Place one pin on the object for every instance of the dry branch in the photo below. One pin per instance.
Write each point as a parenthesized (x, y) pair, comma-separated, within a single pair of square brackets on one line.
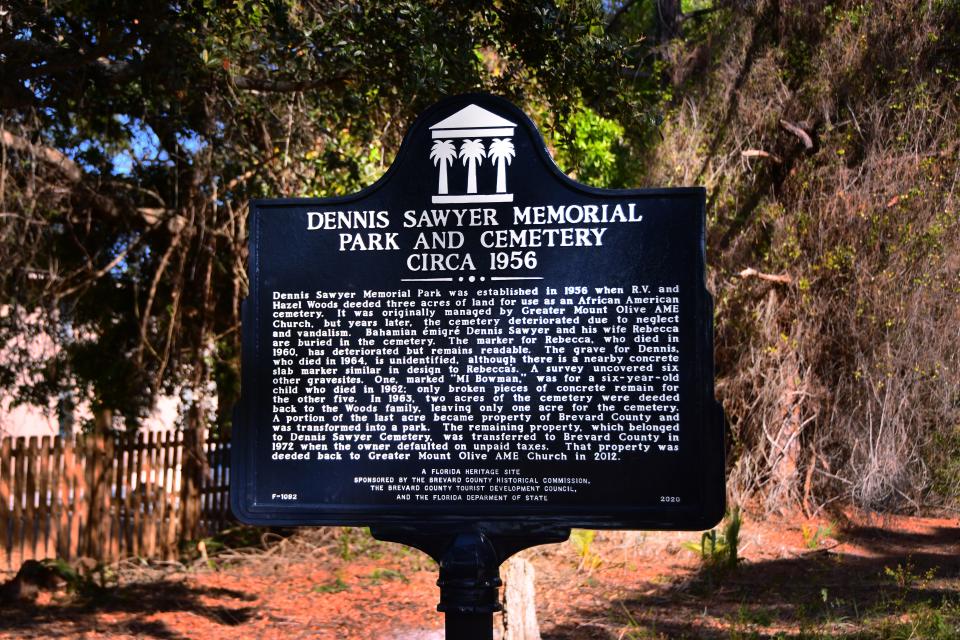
[(759, 153), (782, 278), (799, 132), (49, 155), (271, 85)]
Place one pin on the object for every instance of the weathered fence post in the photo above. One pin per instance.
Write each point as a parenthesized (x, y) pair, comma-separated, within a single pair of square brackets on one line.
[(191, 478), (16, 551), (6, 521)]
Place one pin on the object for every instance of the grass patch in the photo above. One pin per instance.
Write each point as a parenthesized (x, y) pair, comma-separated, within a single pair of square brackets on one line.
[(385, 575), (337, 585)]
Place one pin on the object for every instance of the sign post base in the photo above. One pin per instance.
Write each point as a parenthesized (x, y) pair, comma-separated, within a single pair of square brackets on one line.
[(469, 560), (469, 583)]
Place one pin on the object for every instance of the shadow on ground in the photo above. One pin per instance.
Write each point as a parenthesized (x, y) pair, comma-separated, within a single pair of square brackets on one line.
[(71, 617), (816, 594)]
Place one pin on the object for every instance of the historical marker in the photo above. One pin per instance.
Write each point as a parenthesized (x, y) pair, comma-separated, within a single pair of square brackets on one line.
[(477, 341)]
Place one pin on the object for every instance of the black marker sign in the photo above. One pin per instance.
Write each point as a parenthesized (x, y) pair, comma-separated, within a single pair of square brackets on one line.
[(477, 337)]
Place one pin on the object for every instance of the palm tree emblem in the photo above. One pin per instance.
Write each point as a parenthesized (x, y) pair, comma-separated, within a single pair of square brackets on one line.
[(443, 154), (472, 152), (501, 151), (474, 135)]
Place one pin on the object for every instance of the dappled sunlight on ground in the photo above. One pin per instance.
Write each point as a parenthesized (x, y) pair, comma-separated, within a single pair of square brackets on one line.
[(853, 575)]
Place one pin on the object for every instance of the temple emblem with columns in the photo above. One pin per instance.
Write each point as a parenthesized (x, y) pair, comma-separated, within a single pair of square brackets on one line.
[(480, 140)]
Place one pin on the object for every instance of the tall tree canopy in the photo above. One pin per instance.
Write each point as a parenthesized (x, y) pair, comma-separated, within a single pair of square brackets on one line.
[(133, 133)]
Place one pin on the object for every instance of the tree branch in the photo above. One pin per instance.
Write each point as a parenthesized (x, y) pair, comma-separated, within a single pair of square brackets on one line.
[(72, 172), (799, 132), (49, 155), (781, 278), (29, 59), (760, 153), (699, 13), (251, 83), (613, 22), (634, 73)]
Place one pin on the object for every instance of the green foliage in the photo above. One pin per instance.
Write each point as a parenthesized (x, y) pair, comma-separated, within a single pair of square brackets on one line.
[(352, 542), (924, 621), (636, 630), (904, 576), (755, 616), (130, 253), (719, 552), (813, 536), (590, 147), (582, 541), (226, 376), (337, 585), (84, 580), (381, 575), (238, 537)]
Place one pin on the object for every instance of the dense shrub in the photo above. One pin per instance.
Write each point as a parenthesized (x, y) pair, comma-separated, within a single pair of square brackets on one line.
[(841, 379)]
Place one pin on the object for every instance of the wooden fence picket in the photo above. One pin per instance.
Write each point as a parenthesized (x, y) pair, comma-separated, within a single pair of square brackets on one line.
[(136, 488), (59, 516), (173, 496), (150, 508), (29, 498), (19, 477), (116, 498), (84, 500), (126, 489), (217, 480), (6, 499), (160, 505), (111, 513), (75, 490), (43, 497)]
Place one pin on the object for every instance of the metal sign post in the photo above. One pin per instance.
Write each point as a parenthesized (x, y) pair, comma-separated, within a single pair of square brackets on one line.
[(469, 559)]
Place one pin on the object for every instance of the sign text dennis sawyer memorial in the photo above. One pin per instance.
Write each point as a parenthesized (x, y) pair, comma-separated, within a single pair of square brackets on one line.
[(478, 338)]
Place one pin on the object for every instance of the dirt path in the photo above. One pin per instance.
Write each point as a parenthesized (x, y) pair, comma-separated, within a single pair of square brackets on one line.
[(860, 576)]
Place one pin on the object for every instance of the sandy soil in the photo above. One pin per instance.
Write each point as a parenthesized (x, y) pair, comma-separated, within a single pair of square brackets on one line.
[(836, 577)]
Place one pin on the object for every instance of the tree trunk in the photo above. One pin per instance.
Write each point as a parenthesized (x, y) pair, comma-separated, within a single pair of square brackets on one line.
[(98, 464), (519, 601), (194, 466), (668, 20)]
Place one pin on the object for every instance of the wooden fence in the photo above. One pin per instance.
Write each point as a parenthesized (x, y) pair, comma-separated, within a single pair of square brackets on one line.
[(103, 497)]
